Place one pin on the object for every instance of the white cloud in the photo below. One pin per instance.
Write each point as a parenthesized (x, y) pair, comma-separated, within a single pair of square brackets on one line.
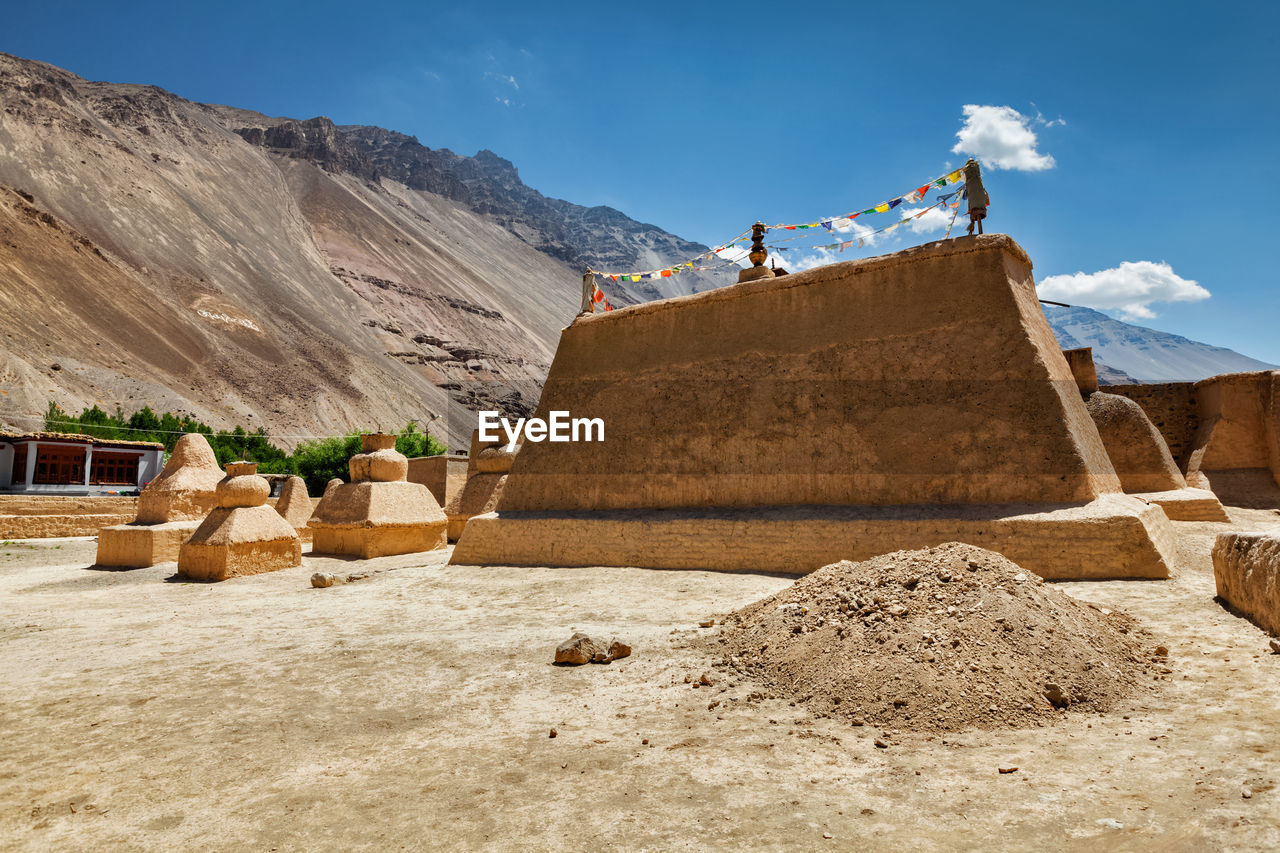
[(795, 262), (857, 231), (934, 219), (1002, 138), (502, 78), (1130, 288)]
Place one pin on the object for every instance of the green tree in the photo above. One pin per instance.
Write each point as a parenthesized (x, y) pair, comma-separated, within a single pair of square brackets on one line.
[(317, 462)]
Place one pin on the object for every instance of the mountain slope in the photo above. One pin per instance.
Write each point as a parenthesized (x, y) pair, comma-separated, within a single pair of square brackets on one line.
[(150, 254), (1146, 354), (597, 237)]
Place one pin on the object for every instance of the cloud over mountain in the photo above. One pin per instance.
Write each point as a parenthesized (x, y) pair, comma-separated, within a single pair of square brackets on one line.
[(1130, 288)]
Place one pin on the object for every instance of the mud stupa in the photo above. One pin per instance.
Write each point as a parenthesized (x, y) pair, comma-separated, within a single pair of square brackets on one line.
[(838, 413), (487, 468), (1143, 462), (379, 512), (295, 507), (170, 509), (242, 536)]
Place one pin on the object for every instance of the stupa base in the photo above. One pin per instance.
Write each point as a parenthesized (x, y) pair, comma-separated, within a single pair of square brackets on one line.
[(1188, 504), (136, 546), (382, 541), (1114, 536)]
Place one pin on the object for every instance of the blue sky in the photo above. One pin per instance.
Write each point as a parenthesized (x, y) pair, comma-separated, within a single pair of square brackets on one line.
[(1160, 119)]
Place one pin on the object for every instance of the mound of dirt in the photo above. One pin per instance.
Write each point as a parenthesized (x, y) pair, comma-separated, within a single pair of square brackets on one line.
[(937, 640)]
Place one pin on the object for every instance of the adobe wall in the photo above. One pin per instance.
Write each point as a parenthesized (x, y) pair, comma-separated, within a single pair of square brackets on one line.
[(443, 475), (1239, 416), (1080, 360), (47, 516), (57, 505), (1172, 408), (1246, 570), (925, 377)]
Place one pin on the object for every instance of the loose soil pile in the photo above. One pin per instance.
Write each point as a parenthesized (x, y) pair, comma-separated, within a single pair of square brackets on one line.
[(937, 640)]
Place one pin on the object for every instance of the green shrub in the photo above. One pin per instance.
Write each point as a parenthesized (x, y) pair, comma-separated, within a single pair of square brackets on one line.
[(317, 461)]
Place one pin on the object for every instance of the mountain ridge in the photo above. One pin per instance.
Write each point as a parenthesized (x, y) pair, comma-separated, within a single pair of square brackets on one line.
[(1147, 355)]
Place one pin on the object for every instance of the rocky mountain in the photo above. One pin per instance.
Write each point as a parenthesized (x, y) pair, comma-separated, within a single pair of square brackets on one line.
[(1145, 355), (290, 274), (601, 238)]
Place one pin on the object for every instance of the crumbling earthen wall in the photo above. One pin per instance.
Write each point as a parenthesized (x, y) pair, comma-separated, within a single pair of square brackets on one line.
[(925, 377), (46, 516), (1082, 368), (1239, 423), (444, 475), (1171, 406), (1246, 568)]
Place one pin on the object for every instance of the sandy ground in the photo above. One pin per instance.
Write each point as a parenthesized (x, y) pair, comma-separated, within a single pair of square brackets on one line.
[(411, 710)]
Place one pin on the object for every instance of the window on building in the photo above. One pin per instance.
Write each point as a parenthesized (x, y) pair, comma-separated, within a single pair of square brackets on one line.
[(114, 469), (59, 466), (19, 464)]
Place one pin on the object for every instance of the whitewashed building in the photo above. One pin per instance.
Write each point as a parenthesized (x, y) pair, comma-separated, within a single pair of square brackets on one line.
[(51, 463)]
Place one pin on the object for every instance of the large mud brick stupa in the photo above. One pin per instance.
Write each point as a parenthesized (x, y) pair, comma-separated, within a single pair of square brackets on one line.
[(242, 536), (170, 509), (379, 513), (786, 423)]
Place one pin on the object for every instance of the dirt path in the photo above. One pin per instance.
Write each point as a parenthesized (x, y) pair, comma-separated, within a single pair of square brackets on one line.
[(411, 710)]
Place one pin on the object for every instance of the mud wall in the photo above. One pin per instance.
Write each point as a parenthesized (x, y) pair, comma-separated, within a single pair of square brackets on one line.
[(925, 377), (1171, 406)]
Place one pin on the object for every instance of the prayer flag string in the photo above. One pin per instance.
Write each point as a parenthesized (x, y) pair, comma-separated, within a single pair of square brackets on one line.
[(733, 250)]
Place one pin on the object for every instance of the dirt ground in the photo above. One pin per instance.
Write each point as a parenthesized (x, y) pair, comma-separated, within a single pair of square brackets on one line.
[(412, 710)]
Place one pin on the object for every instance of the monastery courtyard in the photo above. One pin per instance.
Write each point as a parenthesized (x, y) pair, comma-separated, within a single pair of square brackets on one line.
[(412, 708)]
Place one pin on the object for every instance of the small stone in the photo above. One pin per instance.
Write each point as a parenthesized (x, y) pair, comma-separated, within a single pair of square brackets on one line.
[(1246, 793), (619, 649), (645, 742), (577, 650), (1056, 697), (1275, 647), (553, 733), (858, 721), (707, 679), (881, 744), (826, 835), (1007, 769), (707, 624), (322, 580), (1162, 651)]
